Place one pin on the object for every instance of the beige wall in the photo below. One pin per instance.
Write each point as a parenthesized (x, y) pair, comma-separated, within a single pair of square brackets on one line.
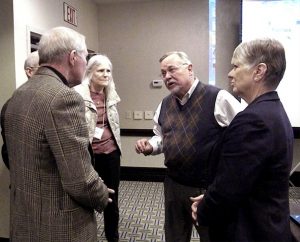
[(41, 15), (136, 35), (7, 70), (227, 38)]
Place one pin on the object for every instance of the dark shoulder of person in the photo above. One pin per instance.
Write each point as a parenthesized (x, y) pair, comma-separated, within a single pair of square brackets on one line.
[(4, 152)]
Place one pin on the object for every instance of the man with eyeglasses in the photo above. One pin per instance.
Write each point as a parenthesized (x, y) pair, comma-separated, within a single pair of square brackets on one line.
[(54, 187), (187, 125)]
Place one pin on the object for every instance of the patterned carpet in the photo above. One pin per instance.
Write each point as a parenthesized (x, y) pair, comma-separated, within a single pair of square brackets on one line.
[(141, 213)]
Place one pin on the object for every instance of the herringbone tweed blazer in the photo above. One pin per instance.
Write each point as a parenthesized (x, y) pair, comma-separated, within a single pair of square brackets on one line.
[(54, 187)]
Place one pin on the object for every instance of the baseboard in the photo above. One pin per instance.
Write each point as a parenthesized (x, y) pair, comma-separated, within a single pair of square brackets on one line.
[(143, 174), (295, 178), (137, 132), (4, 240), (158, 175), (296, 132)]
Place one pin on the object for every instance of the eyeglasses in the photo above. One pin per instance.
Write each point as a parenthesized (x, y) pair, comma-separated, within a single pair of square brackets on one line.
[(171, 70)]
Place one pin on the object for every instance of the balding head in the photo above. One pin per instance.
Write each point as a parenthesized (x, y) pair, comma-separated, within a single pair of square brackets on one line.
[(31, 64)]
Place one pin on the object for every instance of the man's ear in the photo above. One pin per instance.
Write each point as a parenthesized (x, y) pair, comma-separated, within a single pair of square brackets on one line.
[(190, 68), (72, 57), (28, 72)]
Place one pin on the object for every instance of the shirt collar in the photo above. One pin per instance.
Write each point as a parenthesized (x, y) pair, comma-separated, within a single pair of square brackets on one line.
[(61, 76), (187, 96)]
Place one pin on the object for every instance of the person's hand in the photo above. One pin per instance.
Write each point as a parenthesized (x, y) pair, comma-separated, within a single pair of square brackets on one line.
[(143, 146), (110, 191), (196, 201)]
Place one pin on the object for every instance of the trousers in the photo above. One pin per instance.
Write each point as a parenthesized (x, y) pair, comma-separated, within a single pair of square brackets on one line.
[(178, 216), (108, 168)]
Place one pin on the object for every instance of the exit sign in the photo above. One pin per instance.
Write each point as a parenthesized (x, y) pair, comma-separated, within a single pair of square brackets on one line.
[(70, 14)]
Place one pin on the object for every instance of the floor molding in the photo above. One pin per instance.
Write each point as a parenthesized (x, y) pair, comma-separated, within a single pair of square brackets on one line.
[(4, 239), (137, 132), (296, 132), (143, 174), (295, 178), (158, 174)]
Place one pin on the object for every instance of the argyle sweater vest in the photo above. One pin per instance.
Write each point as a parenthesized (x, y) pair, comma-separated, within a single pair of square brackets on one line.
[(189, 133)]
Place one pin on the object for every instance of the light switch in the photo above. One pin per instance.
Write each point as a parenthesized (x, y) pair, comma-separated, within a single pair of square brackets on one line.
[(157, 83), (128, 115), (137, 114)]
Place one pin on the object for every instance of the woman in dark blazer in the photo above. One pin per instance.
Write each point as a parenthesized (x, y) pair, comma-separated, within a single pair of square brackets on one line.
[(248, 198)]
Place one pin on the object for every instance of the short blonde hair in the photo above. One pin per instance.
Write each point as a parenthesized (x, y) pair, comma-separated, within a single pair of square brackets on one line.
[(268, 51)]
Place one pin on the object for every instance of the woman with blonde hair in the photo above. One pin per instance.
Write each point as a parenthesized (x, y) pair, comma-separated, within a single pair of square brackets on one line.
[(101, 99)]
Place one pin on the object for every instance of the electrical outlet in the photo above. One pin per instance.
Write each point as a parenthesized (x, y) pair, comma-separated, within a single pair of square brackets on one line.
[(149, 115), (138, 115)]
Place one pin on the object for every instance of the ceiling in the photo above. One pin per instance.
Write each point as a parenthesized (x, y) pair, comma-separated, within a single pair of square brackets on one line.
[(121, 1), (118, 1)]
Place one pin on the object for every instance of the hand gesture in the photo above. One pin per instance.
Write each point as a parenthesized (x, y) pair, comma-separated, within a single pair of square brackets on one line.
[(143, 146)]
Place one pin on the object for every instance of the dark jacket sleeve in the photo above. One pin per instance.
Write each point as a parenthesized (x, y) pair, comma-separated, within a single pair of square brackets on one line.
[(4, 148), (241, 164)]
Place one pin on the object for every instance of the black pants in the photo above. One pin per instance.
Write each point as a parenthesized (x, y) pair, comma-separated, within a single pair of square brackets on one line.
[(108, 168)]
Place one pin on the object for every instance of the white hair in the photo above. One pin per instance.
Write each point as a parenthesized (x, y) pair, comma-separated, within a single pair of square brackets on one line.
[(59, 41)]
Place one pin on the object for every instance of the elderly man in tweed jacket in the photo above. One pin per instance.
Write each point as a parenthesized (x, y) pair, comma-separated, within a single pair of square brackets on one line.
[(54, 187)]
